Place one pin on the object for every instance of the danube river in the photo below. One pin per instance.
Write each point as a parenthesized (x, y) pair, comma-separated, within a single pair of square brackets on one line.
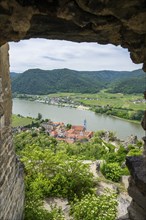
[(75, 116)]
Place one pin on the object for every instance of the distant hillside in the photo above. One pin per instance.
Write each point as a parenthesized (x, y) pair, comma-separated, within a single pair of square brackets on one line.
[(37, 81), (13, 75), (133, 84)]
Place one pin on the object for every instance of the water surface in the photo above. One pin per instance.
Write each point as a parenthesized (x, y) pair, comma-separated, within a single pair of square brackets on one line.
[(74, 116)]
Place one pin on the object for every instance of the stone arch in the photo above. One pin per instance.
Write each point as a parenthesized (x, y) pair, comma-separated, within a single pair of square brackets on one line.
[(103, 21)]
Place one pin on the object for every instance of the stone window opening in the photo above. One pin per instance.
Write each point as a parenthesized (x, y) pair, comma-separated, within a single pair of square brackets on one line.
[(120, 23)]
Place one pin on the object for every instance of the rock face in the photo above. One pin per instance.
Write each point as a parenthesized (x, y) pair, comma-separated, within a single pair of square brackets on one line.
[(11, 172), (103, 21), (137, 187)]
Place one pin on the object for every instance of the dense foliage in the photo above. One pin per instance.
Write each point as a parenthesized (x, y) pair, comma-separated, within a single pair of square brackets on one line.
[(112, 171), (92, 207), (55, 174), (56, 169), (37, 81), (129, 86), (129, 114), (93, 150)]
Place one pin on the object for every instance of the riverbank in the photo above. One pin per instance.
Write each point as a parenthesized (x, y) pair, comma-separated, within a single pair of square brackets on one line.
[(125, 107), (67, 115), (127, 120)]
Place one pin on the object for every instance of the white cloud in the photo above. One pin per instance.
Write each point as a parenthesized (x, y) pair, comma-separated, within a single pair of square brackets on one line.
[(54, 54)]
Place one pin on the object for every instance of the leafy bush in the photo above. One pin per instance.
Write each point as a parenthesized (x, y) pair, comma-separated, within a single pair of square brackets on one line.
[(35, 210), (53, 168), (73, 179), (112, 171), (92, 207), (118, 157), (28, 138), (55, 174), (125, 171), (135, 152)]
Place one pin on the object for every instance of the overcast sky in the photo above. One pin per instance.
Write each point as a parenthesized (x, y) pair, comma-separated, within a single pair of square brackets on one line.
[(55, 54)]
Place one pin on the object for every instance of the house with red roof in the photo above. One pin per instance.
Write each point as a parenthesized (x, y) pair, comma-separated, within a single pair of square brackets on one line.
[(53, 134), (78, 133)]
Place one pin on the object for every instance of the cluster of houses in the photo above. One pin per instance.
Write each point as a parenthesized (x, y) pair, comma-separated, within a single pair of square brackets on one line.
[(59, 101), (59, 131), (138, 101)]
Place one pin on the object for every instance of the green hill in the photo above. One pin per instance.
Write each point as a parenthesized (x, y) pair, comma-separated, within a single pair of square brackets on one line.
[(37, 81), (13, 75), (136, 83)]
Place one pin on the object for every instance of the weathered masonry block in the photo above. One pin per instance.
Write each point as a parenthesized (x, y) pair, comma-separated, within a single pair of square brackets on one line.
[(103, 21), (137, 187), (11, 171)]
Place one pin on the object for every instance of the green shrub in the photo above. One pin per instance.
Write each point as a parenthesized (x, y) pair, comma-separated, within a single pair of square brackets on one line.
[(112, 171), (72, 179), (135, 152), (92, 207), (125, 172), (51, 174), (35, 211)]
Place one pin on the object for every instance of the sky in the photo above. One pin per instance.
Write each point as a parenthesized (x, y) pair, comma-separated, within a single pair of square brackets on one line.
[(56, 54)]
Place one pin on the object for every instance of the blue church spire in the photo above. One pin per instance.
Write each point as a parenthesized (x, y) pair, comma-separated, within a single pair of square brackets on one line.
[(85, 124)]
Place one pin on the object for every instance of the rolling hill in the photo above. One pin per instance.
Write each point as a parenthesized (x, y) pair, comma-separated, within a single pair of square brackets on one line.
[(37, 81), (13, 75)]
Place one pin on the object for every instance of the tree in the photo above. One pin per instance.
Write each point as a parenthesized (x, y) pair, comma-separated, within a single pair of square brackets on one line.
[(39, 116), (68, 126)]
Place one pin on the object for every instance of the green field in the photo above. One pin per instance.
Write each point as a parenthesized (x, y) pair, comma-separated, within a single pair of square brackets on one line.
[(102, 99), (21, 121)]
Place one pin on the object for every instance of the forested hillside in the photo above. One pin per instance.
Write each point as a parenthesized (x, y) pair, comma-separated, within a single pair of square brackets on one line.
[(13, 75), (37, 81), (129, 86)]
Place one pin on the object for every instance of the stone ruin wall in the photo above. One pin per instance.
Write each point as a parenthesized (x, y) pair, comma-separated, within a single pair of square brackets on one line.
[(11, 171), (103, 21), (137, 187)]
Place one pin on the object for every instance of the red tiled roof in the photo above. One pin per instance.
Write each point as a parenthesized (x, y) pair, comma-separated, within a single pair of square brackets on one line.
[(78, 127), (79, 137), (70, 136), (89, 133), (70, 131), (58, 123), (54, 133)]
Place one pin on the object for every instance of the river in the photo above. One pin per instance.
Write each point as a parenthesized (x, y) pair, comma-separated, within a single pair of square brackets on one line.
[(95, 122)]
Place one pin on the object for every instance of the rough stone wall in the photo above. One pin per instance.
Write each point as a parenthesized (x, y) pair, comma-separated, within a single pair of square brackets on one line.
[(119, 22), (11, 171), (103, 21), (137, 187)]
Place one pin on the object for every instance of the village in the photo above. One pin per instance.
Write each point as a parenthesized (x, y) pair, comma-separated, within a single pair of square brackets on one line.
[(65, 101), (68, 133)]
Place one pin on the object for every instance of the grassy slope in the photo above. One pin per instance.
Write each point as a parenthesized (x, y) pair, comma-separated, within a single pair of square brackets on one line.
[(20, 121)]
